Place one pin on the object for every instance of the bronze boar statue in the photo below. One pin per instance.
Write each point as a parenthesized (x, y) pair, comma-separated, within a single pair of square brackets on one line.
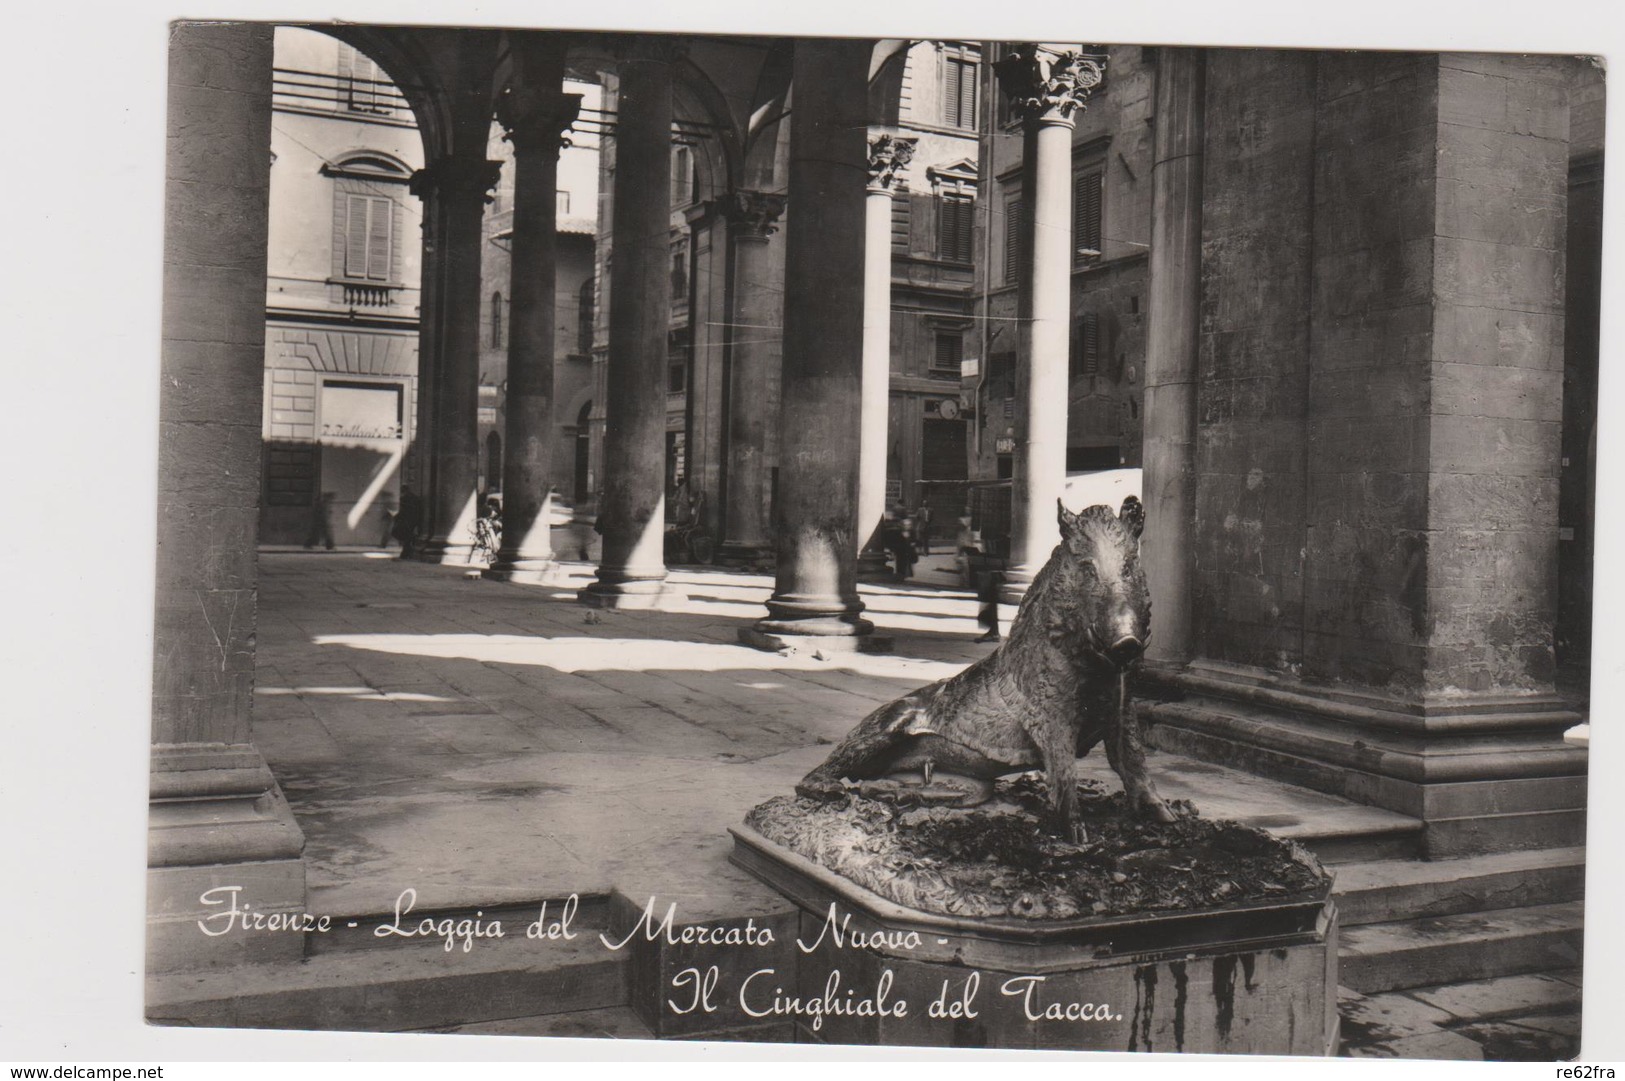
[(1054, 688)]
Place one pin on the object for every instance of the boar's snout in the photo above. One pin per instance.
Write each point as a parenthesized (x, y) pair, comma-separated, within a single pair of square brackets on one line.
[(1125, 651)]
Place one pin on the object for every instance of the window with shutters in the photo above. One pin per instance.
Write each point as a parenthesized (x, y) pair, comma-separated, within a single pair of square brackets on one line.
[(1086, 237), (959, 90), (496, 320), (369, 236), (949, 351), (363, 86), (955, 215), (1086, 346), (682, 176), (1014, 238)]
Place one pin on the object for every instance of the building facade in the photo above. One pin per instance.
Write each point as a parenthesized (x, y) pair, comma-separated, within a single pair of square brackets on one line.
[(342, 296)]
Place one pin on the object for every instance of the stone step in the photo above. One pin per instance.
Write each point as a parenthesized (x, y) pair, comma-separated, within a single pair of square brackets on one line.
[(392, 990), (1532, 1016), (1388, 890), (608, 1023), (1434, 950), (1398, 840)]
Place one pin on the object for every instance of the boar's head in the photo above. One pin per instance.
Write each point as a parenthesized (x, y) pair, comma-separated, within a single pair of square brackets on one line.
[(1109, 604)]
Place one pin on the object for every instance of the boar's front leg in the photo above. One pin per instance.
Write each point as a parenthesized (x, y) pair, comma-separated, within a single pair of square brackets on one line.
[(1125, 750)]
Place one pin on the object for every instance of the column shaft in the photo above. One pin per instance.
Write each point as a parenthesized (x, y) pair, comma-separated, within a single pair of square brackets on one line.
[(460, 184), (535, 113), (632, 571), (1045, 85), (1040, 464), (888, 158), (214, 814), (1171, 349), (754, 356), (815, 514)]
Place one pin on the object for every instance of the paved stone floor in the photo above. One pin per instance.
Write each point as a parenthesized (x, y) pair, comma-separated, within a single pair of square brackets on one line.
[(490, 743)]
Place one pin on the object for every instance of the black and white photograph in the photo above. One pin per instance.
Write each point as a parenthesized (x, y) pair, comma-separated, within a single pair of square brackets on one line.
[(853, 540)]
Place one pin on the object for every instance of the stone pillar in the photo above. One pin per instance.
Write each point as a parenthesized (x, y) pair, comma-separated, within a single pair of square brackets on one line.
[(1174, 296), (216, 816), (815, 516), (536, 114), (1045, 87), (888, 159), (632, 514), (455, 190), (753, 358), (1377, 473)]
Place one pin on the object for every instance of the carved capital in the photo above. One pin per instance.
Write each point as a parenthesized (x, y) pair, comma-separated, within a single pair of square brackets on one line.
[(455, 178), (752, 213), (1045, 86), (889, 155), (536, 119)]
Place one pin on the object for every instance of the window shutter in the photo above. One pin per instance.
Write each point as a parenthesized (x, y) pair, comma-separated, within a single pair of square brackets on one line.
[(1086, 215), (954, 229), (900, 224), (355, 236), (959, 93), (1086, 346), (950, 351), (378, 238), (1012, 240), (967, 95)]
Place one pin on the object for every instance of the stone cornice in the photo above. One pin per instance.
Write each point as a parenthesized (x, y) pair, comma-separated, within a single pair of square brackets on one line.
[(1045, 86)]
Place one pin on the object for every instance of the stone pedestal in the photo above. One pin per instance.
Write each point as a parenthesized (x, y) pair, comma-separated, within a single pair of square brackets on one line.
[(1257, 978)]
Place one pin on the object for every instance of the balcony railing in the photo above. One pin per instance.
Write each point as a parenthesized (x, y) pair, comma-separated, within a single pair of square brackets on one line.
[(368, 294)]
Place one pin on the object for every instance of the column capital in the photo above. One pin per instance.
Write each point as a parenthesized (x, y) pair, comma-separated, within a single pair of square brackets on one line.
[(751, 213), (457, 178), (535, 118), (1045, 85), (889, 155)]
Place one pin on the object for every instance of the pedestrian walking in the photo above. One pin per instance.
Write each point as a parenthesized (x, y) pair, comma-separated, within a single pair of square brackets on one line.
[(988, 586), (922, 529), (387, 513), (321, 522)]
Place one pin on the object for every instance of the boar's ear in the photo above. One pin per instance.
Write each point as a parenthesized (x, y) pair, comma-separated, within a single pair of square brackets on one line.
[(1067, 519), (1133, 516)]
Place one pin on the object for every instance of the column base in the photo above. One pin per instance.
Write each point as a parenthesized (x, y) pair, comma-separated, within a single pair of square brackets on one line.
[(1485, 774), (446, 552), (637, 596), (538, 572), (774, 641), (217, 821)]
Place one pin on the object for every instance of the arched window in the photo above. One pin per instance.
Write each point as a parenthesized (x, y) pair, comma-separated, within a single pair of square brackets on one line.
[(368, 190), (496, 320)]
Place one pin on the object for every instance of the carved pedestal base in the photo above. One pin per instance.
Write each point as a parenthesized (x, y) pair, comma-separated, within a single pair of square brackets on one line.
[(1256, 976)]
